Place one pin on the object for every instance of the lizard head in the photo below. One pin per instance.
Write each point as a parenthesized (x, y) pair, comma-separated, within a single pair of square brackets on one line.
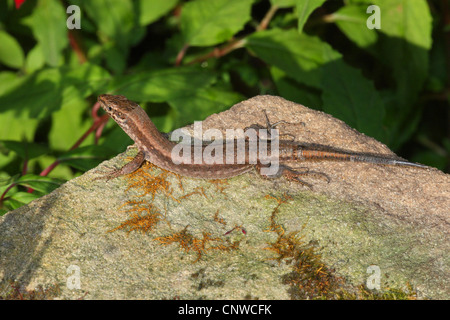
[(117, 107)]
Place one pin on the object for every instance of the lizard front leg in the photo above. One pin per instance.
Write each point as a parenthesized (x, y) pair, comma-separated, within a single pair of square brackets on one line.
[(130, 167)]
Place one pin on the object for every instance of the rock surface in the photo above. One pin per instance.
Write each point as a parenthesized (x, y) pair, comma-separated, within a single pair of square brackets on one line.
[(243, 238)]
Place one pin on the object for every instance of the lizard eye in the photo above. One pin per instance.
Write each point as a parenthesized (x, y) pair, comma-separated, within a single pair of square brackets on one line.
[(109, 108)]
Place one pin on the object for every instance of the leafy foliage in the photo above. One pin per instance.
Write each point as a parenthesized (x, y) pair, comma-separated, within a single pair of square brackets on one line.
[(183, 60)]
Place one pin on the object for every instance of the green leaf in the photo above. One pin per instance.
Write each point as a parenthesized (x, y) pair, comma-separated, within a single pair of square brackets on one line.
[(407, 19), (202, 103), (17, 127), (6, 158), (11, 53), (8, 81), (304, 9), (6, 180), (61, 171), (405, 41), (349, 96), (246, 72), (206, 22), (437, 77), (35, 59), (352, 20), (26, 150), (118, 29), (162, 85), (116, 22), (150, 11), (39, 183), (300, 56), (14, 126), (116, 59), (85, 158), (39, 94), (431, 158), (19, 199), (49, 27), (116, 141), (294, 91), (35, 95), (82, 81), (68, 125), (408, 25), (283, 3)]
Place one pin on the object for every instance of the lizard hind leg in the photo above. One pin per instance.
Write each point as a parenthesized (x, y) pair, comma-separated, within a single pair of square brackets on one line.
[(130, 167), (292, 174)]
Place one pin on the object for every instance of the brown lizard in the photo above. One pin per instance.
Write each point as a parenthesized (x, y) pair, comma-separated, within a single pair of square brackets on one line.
[(156, 148)]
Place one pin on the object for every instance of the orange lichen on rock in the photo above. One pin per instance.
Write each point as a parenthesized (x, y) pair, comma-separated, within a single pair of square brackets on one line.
[(218, 219), (310, 277), (220, 185), (199, 245), (197, 190), (148, 183), (144, 217), (274, 226)]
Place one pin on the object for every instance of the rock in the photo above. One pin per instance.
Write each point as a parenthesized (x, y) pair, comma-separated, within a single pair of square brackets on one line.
[(243, 238)]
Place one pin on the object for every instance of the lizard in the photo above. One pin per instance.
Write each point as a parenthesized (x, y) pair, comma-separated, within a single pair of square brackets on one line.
[(156, 148)]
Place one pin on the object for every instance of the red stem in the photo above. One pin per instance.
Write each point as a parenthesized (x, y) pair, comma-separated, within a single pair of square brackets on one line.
[(181, 54), (232, 45), (76, 47), (217, 53), (5, 192), (99, 123)]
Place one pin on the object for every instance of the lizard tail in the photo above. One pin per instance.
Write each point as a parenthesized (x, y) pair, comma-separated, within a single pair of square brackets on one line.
[(304, 154)]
